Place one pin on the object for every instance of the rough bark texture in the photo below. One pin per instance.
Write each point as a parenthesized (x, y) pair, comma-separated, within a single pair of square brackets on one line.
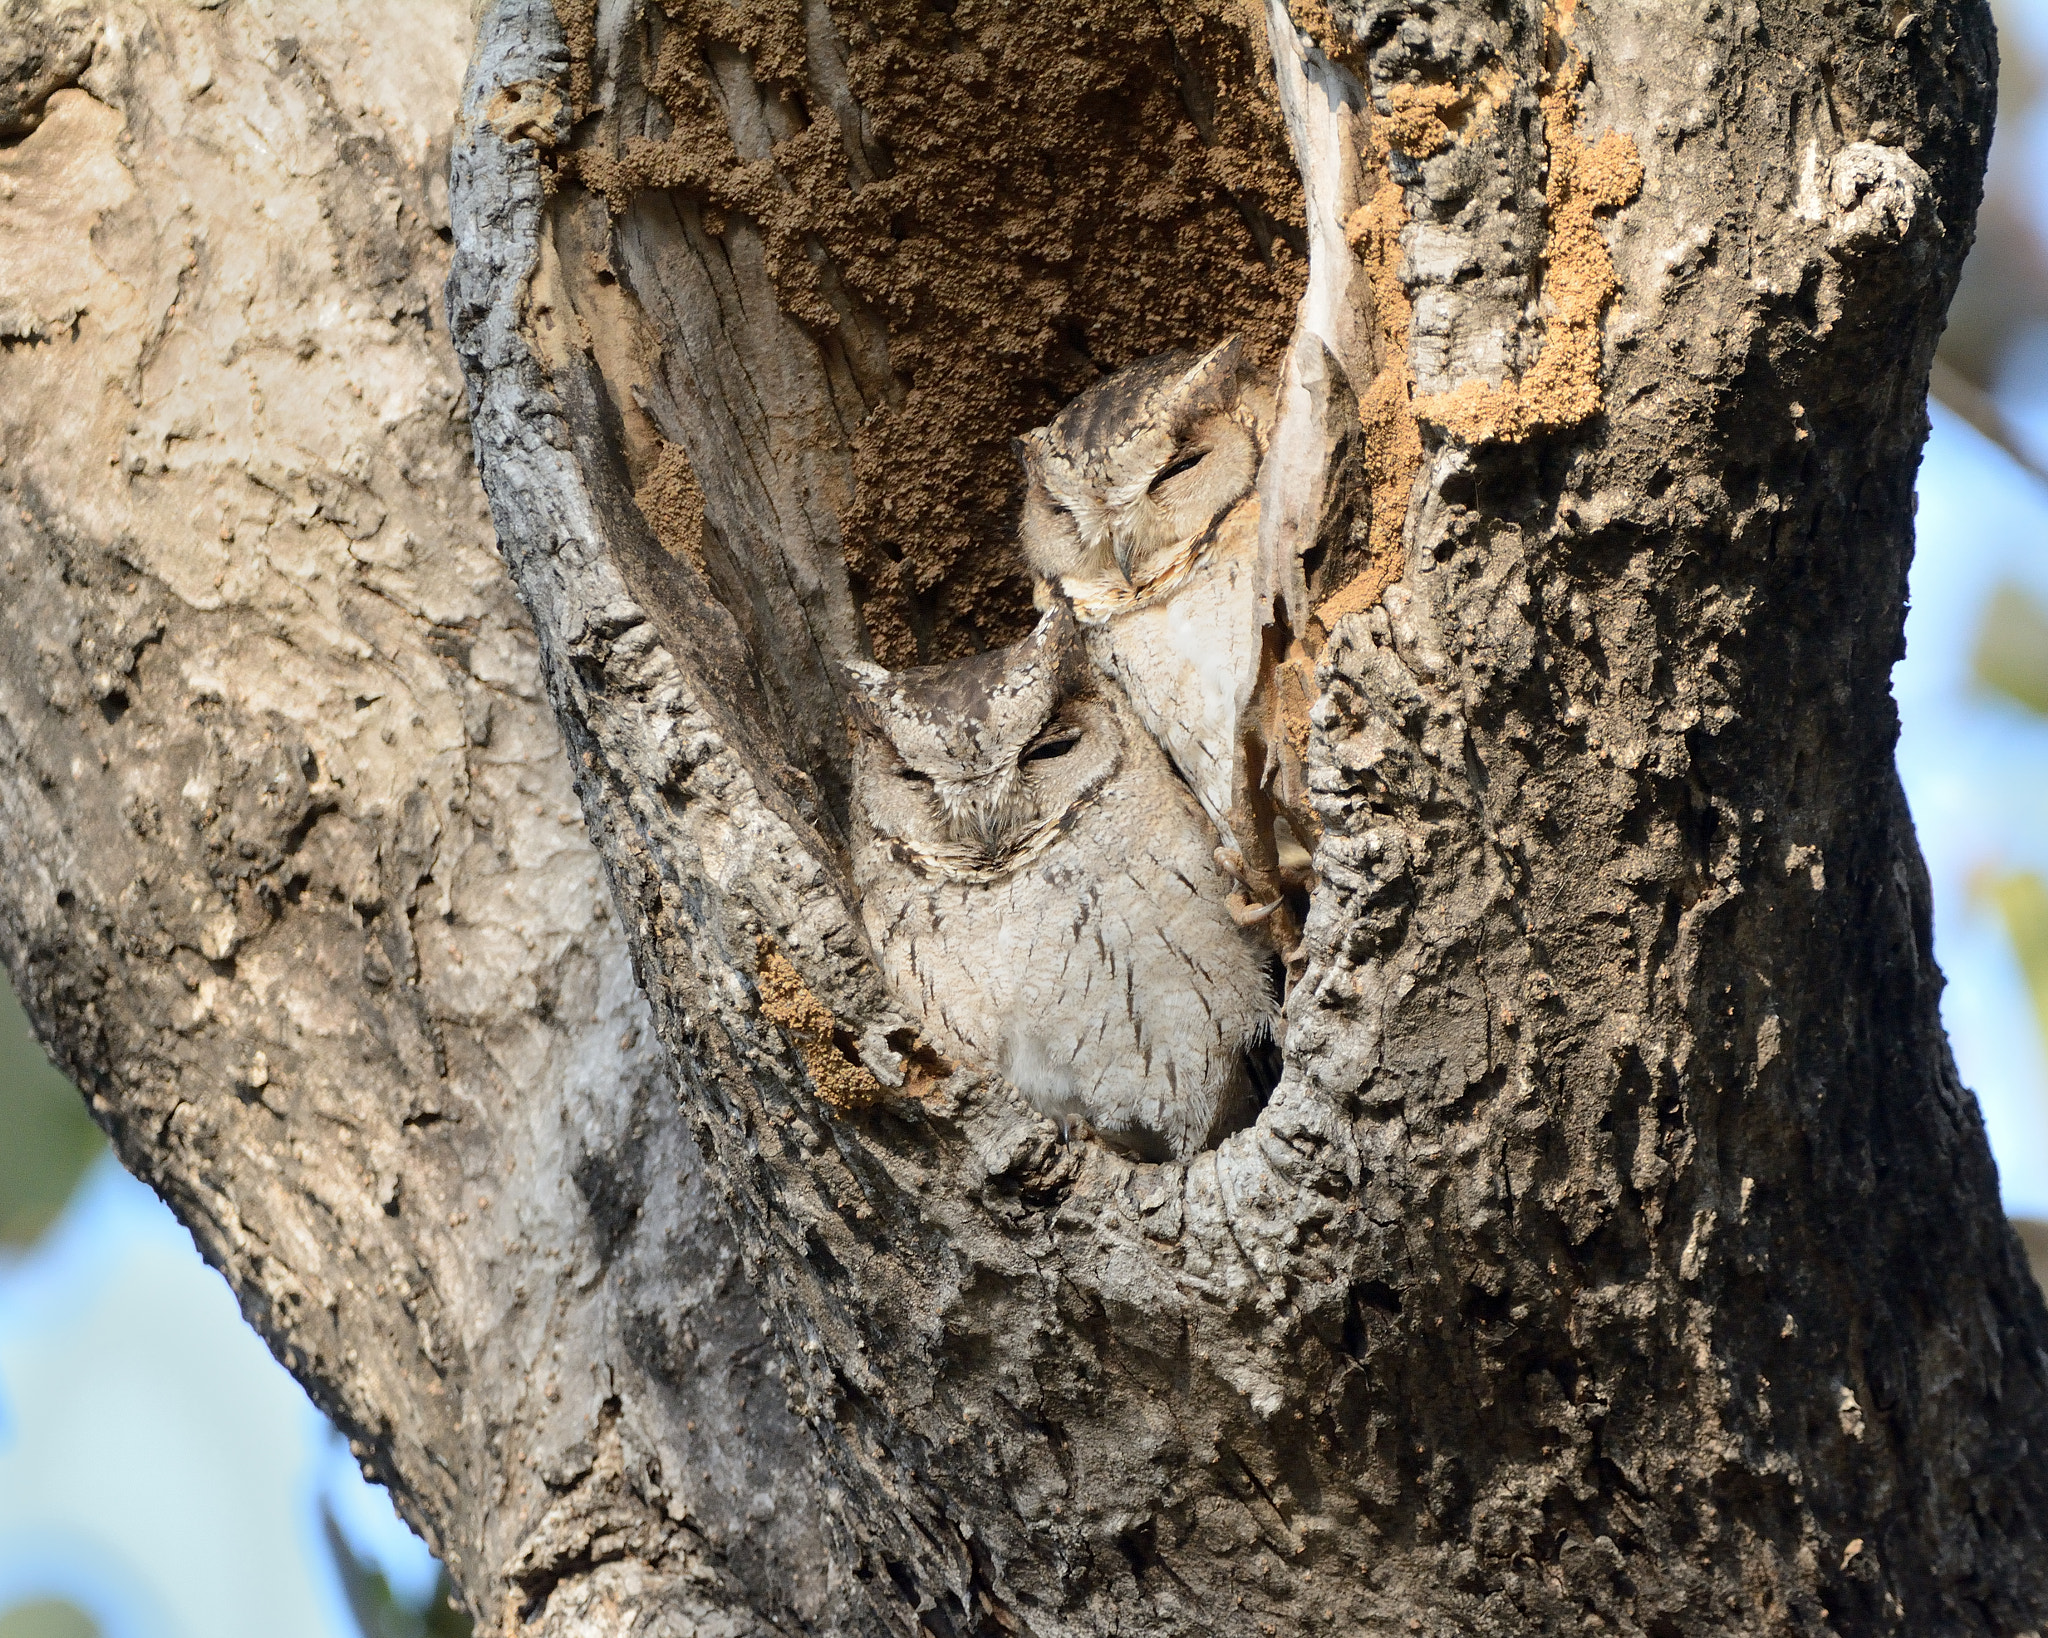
[(1619, 1250), (295, 880)]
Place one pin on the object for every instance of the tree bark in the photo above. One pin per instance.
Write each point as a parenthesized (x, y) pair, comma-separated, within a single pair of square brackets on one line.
[(297, 886), (1619, 1249)]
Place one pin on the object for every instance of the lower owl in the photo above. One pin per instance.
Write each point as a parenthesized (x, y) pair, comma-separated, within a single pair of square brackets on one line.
[(1042, 889)]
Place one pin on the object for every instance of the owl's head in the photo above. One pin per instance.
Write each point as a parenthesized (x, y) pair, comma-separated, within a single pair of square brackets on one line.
[(1140, 465), (965, 765)]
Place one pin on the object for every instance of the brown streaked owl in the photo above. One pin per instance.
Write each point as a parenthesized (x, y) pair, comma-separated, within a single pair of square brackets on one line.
[(1139, 507), (1042, 890)]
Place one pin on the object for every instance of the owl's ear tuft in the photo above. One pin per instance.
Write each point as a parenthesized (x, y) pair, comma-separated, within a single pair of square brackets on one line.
[(1034, 676), (1208, 384), (1055, 640), (1055, 628)]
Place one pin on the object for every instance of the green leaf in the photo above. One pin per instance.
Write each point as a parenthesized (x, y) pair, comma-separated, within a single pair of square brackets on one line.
[(2021, 900), (46, 1138), (47, 1618), (2012, 648)]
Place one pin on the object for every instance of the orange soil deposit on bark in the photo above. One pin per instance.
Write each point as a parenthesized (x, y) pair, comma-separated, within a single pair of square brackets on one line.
[(788, 1003), (1562, 388)]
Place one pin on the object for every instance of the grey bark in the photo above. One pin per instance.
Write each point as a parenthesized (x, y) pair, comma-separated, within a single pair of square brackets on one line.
[(1619, 1250), (296, 884)]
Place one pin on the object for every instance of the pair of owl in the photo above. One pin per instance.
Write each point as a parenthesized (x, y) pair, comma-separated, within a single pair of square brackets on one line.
[(1041, 832)]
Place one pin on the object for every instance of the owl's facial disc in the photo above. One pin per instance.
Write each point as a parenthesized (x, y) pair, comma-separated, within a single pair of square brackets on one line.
[(1193, 483), (1023, 785), (970, 763), (1131, 476)]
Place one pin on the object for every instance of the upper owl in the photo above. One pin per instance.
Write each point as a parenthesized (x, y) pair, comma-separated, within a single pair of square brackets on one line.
[(1125, 483)]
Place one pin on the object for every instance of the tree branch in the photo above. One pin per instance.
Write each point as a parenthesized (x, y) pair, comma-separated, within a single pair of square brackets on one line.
[(299, 890), (1615, 1070)]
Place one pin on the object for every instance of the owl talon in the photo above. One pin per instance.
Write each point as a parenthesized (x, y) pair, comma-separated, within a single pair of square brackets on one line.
[(1246, 914)]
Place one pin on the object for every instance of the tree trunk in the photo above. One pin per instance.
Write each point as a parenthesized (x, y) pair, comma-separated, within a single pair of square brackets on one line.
[(1618, 1248), (297, 886)]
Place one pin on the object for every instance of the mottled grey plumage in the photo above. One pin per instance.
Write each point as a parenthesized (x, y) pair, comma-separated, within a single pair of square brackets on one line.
[(1139, 509), (1042, 890)]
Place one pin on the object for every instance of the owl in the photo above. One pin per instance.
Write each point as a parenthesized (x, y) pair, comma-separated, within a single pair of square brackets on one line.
[(1138, 507), (1041, 889)]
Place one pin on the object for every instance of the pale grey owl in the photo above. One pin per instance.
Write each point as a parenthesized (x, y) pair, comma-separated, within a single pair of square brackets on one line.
[(1042, 891), (1138, 506)]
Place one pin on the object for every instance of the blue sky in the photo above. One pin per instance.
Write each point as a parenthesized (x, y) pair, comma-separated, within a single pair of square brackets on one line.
[(157, 1467), (1976, 773), (1976, 768)]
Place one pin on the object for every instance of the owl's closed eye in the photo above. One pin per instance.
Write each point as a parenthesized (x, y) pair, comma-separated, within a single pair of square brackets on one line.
[(1137, 468)]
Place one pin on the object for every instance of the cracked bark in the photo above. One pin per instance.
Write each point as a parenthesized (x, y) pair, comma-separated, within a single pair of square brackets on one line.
[(296, 883), (1619, 1249)]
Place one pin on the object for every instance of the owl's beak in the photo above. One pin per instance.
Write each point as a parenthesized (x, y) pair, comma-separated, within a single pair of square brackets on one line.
[(1124, 550), (1163, 561), (980, 812)]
